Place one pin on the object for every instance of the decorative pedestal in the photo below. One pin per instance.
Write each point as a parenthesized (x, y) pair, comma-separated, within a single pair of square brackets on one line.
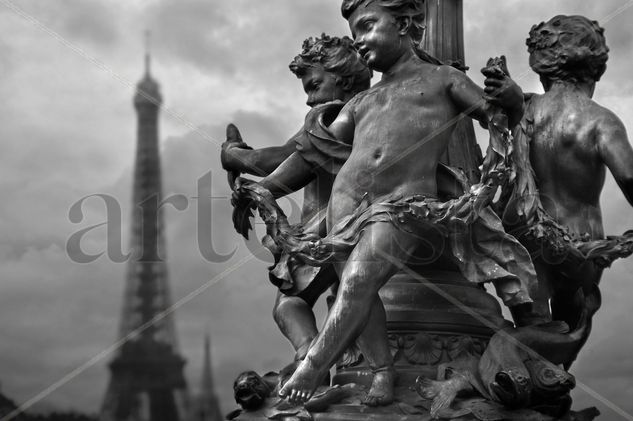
[(431, 318)]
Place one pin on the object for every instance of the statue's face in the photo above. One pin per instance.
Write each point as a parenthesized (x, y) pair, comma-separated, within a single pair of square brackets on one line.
[(321, 86), (376, 36)]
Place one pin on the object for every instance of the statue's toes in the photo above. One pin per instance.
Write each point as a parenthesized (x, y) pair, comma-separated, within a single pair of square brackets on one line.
[(381, 400), (304, 397), (371, 400), (283, 392)]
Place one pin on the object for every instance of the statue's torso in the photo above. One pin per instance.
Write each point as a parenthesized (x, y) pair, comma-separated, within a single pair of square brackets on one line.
[(563, 151), (401, 129)]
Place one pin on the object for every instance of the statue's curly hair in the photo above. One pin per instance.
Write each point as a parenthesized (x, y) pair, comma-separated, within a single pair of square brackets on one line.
[(568, 48), (413, 9), (410, 8), (337, 56)]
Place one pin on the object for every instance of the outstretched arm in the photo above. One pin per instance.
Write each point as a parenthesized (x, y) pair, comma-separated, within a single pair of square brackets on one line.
[(616, 152), (500, 91), (259, 162), (296, 172), (292, 175)]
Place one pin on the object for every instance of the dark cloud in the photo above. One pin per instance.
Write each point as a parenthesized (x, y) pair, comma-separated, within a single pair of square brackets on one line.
[(93, 21), (195, 31), (241, 38)]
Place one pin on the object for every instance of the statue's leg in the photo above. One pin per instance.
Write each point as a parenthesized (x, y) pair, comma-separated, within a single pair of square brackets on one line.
[(296, 321), (375, 348), (373, 261), (294, 315), (539, 310), (569, 305), (375, 351)]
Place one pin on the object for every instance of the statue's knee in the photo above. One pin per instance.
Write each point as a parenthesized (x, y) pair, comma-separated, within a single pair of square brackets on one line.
[(278, 312), (360, 283), (286, 306)]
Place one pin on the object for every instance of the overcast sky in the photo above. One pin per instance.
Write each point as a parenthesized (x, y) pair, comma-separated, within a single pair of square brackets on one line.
[(67, 75)]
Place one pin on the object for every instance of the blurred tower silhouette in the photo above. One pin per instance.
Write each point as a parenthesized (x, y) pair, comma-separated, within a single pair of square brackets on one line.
[(147, 381), (206, 405)]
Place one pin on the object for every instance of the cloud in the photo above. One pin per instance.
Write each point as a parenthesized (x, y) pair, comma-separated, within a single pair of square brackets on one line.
[(242, 44), (6, 59), (93, 22), (195, 31)]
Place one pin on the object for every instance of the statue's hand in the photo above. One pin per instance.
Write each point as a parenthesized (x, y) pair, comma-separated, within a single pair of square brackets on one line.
[(501, 90), (230, 160), (228, 157)]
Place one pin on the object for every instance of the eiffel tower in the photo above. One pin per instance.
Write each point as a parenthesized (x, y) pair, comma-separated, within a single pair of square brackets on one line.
[(147, 381)]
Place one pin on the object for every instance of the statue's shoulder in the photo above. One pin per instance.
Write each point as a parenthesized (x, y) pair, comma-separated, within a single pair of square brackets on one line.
[(607, 124), (317, 144), (361, 96)]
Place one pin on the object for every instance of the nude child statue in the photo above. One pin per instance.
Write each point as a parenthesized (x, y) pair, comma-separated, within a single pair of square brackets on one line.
[(398, 130), (330, 69), (572, 142)]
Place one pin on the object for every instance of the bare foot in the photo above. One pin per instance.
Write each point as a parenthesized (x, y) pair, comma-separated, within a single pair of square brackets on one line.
[(302, 384), (381, 390), (286, 373)]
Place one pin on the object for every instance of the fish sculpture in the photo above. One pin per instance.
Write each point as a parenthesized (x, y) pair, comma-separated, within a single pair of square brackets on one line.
[(520, 368)]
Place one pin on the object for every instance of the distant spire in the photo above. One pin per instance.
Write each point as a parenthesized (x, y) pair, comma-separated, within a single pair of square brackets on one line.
[(147, 89), (148, 35), (207, 407), (207, 377)]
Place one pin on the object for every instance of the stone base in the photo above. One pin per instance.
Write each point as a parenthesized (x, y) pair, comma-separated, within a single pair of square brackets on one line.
[(434, 318), (409, 406)]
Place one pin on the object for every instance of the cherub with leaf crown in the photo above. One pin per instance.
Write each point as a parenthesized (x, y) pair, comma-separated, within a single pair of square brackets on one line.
[(331, 73)]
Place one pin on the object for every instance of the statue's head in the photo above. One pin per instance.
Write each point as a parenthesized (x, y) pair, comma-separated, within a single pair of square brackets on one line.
[(330, 68), (412, 9), (568, 48), (383, 28)]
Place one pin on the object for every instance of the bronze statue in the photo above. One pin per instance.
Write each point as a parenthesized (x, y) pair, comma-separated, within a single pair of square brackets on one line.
[(564, 145), (571, 141), (399, 129), (391, 194), (331, 71)]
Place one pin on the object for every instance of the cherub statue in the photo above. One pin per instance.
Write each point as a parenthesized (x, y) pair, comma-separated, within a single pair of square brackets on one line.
[(384, 199), (571, 141), (331, 72)]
